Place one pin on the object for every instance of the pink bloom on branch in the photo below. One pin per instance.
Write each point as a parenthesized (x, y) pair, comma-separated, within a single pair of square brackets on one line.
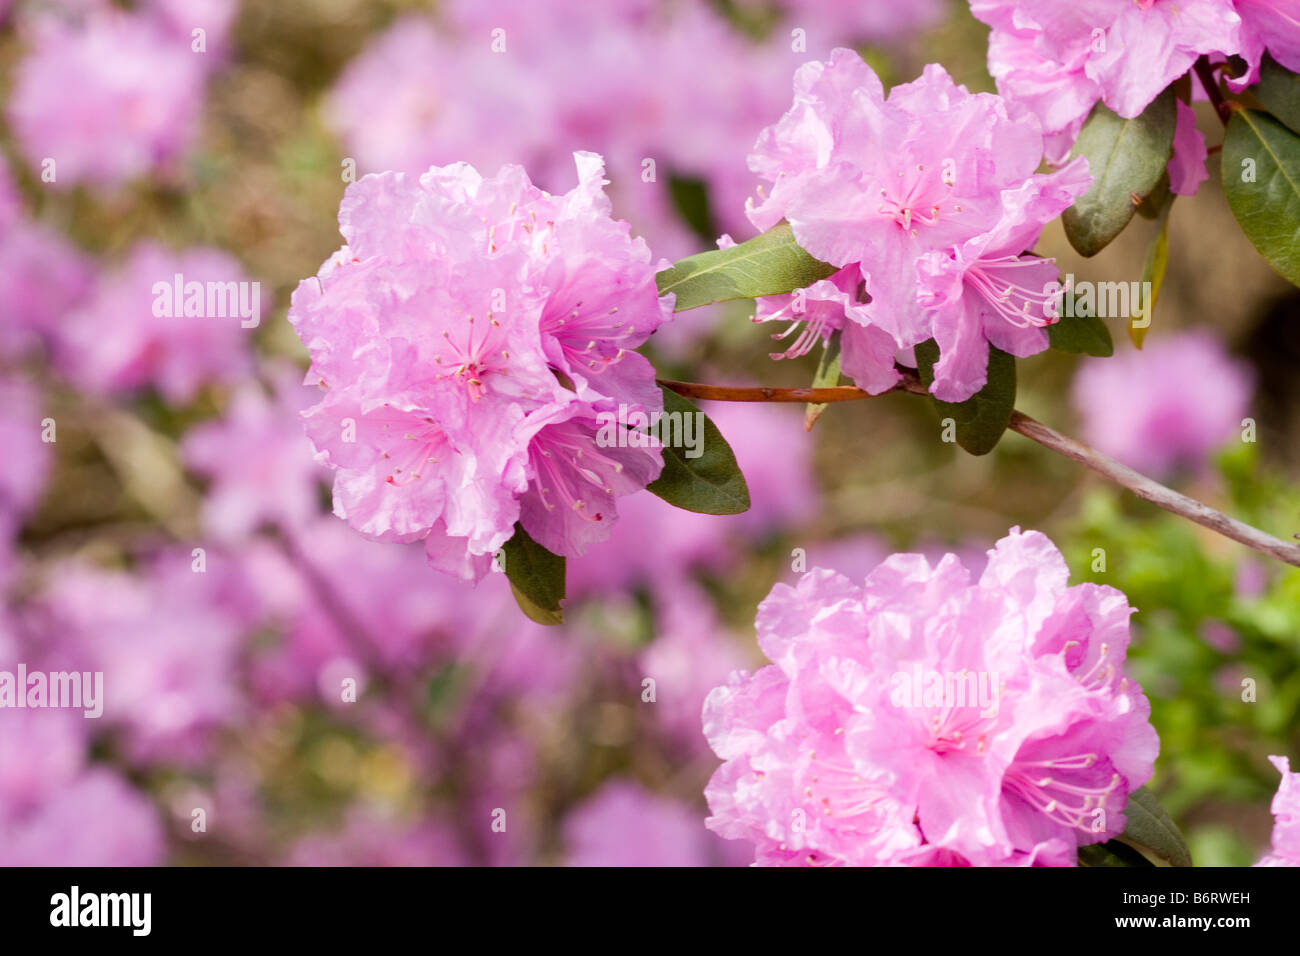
[(926, 200), (468, 338), (1164, 407), (1286, 818), (1058, 59), (857, 745)]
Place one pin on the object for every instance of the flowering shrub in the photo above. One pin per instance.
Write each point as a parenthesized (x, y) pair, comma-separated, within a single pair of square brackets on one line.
[(354, 563)]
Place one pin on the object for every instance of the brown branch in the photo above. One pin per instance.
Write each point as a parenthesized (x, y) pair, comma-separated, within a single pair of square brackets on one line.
[(762, 393), (1156, 493), (1145, 488), (1205, 73)]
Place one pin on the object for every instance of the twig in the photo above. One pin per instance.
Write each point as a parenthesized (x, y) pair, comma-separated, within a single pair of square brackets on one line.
[(762, 393), (1205, 73), (1145, 488), (1154, 492)]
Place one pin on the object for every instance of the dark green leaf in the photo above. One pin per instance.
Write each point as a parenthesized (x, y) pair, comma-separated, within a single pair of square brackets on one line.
[(982, 418), (1153, 205), (1150, 829), (709, 484), (828, 376), (1079, 334), (1111, 853), (536, 577), (769, 264), (691, 198), (1279, 90), (1261, 176), (1126, 158)]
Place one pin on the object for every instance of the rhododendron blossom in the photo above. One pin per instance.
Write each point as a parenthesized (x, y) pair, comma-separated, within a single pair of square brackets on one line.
[(927, 201), (1056, 60), (468, 339), (1286, 818), (927, 718), (1272, 25)]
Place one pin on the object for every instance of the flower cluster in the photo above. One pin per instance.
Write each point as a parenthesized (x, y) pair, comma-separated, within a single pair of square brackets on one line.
[(922, 719), (468, 337), (1058, 60), (926, 201)]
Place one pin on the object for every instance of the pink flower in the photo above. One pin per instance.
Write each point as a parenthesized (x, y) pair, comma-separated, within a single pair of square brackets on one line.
[(985, 292), (356, 608), (1056, 60), (872, 20), (1187, 165), (108, 99), (925, 719), (626, 825), (1286, 818), (27, 457), (1165, 407), (444, 335), (58, 810), (96, 819), (370, 836), (691, 653), (926, 200), (168, 695), (414, 97), (258, 461), (134, 331), (41, 274), (1268, 24)]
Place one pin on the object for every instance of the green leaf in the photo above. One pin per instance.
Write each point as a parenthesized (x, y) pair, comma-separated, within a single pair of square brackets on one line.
[(1154, 203), (1153, 277), (1079, 334), (691, 199), (1126, 158), (982, 418), (1111, 853), (1150, 829), (1279, 90), (536, 577), (828, 376), (709, 484), (1261, 177), (770, 264)]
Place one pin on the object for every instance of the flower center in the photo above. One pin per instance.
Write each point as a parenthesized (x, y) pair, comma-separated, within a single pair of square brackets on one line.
[(998, 282)]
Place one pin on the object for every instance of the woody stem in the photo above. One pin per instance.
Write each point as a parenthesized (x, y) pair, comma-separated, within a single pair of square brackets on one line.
[(1145, 488)]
